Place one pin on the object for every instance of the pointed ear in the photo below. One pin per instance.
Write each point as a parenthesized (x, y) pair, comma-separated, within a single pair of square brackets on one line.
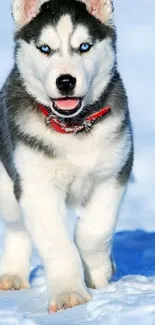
[(23, 11), (101, 9)]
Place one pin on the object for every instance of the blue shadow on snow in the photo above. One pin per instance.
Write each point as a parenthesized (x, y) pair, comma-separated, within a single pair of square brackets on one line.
[(133, 251)]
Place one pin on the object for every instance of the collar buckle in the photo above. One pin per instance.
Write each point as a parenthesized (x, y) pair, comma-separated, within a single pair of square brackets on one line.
[(49, 118), (87, 125)]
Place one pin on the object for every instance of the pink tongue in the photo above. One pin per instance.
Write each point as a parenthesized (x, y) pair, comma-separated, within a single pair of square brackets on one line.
[(67, 104)]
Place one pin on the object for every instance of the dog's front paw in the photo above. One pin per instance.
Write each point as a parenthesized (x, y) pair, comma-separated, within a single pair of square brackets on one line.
[(12, 282), (97, 278), (68, 300)]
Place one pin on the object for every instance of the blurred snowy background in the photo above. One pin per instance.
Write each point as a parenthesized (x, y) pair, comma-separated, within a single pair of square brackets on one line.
[(132, 298), (136, 55)]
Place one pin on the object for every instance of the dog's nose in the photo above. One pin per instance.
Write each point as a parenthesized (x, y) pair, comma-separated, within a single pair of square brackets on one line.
[(66, 83)]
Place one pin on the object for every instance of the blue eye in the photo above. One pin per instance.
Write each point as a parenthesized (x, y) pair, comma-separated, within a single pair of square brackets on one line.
[(85, 47), (45, 49)]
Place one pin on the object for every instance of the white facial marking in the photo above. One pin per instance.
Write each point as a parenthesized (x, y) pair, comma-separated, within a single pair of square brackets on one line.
[(50, 37), (64, 30), (80, 35), (105, 58)]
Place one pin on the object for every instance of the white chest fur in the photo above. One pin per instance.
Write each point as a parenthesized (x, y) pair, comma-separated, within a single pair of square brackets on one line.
[(79, 160)]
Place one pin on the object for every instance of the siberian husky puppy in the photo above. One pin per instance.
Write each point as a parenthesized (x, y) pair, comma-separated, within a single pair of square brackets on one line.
[(65, 140)]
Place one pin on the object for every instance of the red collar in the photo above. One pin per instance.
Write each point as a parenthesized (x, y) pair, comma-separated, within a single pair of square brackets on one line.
[(62, 127)]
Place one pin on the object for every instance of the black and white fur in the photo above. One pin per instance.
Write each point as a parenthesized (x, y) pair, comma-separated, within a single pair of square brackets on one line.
[(42, 171)]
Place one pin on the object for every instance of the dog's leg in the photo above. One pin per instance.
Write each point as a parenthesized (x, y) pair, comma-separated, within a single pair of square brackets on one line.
[(95, 230), (14, 263), (45, 215), (45, 219)]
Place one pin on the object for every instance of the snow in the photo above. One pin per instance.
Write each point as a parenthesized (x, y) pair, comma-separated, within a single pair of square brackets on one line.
[(130, 297)]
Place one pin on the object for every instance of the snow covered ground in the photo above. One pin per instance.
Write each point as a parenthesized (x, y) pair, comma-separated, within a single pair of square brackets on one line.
[(130, 298)]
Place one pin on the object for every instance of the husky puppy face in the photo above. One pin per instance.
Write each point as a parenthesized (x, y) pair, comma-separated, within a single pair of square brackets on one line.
[(65, 51)]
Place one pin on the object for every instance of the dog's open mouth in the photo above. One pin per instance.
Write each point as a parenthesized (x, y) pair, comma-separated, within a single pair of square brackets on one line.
[(67, 106)]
